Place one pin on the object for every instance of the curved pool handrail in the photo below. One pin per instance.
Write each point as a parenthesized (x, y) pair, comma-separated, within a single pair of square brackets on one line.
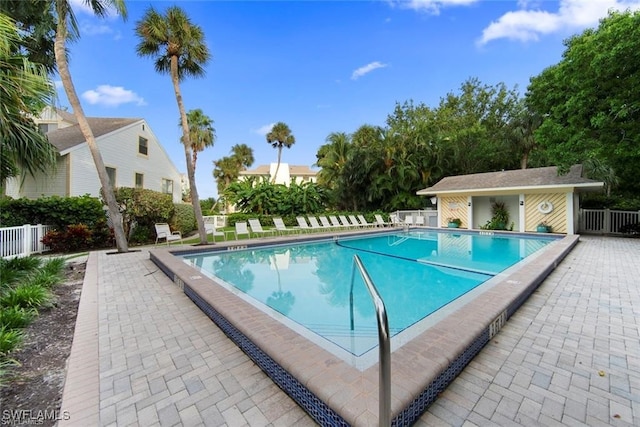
[(384, 387)]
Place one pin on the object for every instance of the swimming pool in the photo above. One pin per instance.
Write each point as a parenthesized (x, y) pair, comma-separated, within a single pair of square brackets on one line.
[(312, 284), (330, 388)]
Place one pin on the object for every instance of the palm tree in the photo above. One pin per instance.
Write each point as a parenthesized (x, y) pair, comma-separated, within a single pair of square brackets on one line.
[(179, 49), (201, 133), (67, 29), (227, 169), (24, 90), (332, 157), (243, 155), (280, 136)]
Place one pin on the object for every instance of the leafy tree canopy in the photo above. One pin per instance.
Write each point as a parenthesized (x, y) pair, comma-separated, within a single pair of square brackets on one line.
[(590, 100)]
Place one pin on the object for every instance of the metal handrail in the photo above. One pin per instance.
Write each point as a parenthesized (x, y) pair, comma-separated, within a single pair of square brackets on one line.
[(384, 387)]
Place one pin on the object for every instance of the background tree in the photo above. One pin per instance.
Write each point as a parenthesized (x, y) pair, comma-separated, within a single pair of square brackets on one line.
[(36, 24), (201, 133), (280, 136), (590, 100), (227, 169), (67, 29), (179, 49), (24, 89)]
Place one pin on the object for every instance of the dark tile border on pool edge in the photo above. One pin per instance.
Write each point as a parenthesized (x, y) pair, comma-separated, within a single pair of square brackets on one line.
[(318, 409)]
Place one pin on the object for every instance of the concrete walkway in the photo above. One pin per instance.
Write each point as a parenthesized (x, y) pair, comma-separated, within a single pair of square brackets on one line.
[(569, 356)]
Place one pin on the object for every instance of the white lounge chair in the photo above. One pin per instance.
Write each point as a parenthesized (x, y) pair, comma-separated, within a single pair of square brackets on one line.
[(325, 222), (304, 226), (420, 220), (345, 221), (211, 229), (315, 225), (164, 232), (335, 223), (241, 229), (256, 228), (380, 222), (364, 221), (408, 220), (282, 228), (354, 221)]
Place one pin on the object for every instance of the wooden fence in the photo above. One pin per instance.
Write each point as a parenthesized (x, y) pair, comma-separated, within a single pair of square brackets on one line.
[(606, 221)]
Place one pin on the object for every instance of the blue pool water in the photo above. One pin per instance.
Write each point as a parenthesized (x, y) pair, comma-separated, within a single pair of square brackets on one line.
[(416, 273)]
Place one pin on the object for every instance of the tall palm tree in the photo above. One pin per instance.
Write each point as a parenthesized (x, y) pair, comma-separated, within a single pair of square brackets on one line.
[(67, 29), (178, 47), (243, 155), (24, 89), (201, 133), (280, 136)]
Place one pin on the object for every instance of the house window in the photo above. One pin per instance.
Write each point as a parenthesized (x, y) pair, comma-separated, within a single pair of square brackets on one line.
[(143, 146), (111, 172), (43, 128), (167, 186), (139, 180)]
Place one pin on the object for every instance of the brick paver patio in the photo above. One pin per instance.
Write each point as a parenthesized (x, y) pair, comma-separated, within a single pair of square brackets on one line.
[(144, 354)]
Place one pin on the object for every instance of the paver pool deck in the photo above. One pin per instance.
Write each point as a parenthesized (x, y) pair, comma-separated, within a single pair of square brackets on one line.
[(144, 354)]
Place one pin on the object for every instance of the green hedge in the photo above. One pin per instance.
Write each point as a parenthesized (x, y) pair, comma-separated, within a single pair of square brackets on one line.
[(56, 211), (183, 219)]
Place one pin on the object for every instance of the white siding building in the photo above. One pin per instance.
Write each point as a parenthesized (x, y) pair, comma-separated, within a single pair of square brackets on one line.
[(131, 153), (286, 173)]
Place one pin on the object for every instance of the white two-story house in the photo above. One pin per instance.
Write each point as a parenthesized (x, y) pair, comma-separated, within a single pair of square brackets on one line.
[(286, 173), (131, 153)]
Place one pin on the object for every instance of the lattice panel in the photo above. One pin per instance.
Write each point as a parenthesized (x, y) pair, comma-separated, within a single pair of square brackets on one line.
[(557, 218), (454, 207)]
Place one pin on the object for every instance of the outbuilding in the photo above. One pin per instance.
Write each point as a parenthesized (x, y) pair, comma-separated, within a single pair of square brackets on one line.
[(532, 198)]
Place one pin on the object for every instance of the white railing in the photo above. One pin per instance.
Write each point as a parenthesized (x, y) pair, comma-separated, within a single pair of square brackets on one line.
[(23, 240), (218, 221), (430, 216), (606, 221)]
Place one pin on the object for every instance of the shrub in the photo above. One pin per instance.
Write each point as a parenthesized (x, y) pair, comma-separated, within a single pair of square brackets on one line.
[(183, 219), (16, 317), (27, 296), (5, 365), (9, 339), (141, 209), (56, 211), (16, 269), (75, 238), (45, 279), (54, 266)]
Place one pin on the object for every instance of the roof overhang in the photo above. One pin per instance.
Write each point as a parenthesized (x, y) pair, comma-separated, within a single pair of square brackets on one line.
[(566, 188)]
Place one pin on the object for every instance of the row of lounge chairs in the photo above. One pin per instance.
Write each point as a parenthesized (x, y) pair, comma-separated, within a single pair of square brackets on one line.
[(308, 224), (254, 227)]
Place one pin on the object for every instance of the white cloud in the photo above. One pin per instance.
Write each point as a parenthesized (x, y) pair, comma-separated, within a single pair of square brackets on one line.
[(112, 96), (431, 6), (528, 24), (367, 69), (89, 29), (263, 130), (82, 6)]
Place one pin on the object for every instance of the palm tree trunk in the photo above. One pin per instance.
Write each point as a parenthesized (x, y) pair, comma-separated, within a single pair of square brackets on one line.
[(275, 175), (195, 201), (524, 160), (107, 191)]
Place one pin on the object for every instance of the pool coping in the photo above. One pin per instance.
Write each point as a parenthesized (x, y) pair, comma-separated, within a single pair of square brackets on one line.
[(329, 389)]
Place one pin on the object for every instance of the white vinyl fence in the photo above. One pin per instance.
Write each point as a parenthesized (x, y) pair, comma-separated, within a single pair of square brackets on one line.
[(605, 221), (22, 240)]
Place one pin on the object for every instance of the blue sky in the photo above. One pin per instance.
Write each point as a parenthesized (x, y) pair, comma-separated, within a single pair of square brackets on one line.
[(319, 66)]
